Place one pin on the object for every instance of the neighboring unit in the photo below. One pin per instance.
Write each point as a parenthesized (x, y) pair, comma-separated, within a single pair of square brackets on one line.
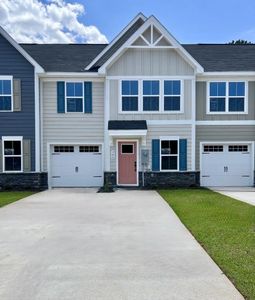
[(141, 111)]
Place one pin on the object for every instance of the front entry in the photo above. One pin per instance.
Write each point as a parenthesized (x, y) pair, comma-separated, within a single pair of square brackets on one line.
[(127, 163)]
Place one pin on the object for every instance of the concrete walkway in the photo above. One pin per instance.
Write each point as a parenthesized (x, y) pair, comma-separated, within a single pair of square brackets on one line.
[(81, 245), (245, 194)]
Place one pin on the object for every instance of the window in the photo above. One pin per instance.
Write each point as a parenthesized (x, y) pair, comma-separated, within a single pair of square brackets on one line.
[(213, 148), (151, 95), (238, 148), (12, 154), (227, 97), (74, 96), (172, 95), (127, 149), (89, 148), (129, 89), (63, 149), (217, 96), (169, 155), (236, 96), (5, 94)]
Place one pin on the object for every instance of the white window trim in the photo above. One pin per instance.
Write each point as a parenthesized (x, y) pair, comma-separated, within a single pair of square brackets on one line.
[(83, 108), (161, 96), (11, 79), (169, 138), (227, 112), (12, 138)]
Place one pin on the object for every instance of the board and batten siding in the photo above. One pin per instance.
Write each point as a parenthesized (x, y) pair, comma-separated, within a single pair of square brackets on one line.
[(71, 127), (156, 132), (217, 133), (22, 121), (115, 102), (201, 102), (150, 62)]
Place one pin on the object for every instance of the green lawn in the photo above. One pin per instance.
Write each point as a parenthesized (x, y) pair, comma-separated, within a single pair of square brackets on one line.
[(9, 197), (224, 227)]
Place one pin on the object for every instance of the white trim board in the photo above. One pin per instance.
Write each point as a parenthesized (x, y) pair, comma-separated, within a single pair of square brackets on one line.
[(226, 123)]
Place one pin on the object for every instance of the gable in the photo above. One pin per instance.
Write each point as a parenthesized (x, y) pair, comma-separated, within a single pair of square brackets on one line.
[(7, 39), (150, 62), (151, 35)]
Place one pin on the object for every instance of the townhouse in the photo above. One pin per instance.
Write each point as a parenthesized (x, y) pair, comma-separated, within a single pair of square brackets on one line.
[(141, 111)]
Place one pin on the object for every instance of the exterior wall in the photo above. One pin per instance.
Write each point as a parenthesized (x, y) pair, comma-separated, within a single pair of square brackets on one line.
[(115, 103), (71, 127), (19, 123), (155, 132), (148, 62), (201, 102), (222, 133)]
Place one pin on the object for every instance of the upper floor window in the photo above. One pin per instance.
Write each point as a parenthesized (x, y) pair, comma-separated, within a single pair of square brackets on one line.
[(12, 154), (227, 97), (129, 90), (74, 96), (5, 93), (151, 95), (172, 95)]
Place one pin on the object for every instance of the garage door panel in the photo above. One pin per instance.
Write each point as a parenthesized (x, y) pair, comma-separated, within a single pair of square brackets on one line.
[(76, 169), (225, 167)]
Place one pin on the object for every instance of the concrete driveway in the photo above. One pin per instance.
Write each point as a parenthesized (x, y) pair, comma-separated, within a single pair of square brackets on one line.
[(81, 245), (245, 194)]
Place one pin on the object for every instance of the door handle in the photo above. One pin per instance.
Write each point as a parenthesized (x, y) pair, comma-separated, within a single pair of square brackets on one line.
[(76, 169), (135, 165)]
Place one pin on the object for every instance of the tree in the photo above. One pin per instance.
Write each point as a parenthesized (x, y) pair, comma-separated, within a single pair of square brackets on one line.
[(240, 42)]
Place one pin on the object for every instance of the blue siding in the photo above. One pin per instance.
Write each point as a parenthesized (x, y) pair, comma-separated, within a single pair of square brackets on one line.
[(19, 123)]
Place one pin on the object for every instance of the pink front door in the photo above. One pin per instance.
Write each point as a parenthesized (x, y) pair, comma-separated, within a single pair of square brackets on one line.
[(127, 163)]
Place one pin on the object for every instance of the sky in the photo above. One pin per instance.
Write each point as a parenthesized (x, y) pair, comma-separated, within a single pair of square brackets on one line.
[(99, 21)]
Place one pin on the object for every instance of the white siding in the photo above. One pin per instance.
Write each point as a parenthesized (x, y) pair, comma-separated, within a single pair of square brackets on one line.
[(147, 62), (71, 127), (115, 102)]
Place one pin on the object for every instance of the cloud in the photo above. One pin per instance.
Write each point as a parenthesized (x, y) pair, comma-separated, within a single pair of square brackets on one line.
[(56, 21)]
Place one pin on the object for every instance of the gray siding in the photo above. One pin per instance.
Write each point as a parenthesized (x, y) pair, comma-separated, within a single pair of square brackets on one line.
[(19, 123), (201, 99), (222, 133), (115, 102), (157, 131), (147, 62), (71, 127)]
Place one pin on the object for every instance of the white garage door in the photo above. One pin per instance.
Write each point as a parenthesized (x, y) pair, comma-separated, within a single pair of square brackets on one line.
[(76, 166), (226, 165)]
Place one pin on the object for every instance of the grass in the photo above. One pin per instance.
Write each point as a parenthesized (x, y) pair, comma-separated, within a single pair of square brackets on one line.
[(9, 197), (224, 227)]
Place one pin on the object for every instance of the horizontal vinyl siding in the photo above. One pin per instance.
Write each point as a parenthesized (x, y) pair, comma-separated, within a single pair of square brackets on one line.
[(201, 102), (114, 106), (157, 131), (222, 133), (148, 62), (71, 127), (19, 123)]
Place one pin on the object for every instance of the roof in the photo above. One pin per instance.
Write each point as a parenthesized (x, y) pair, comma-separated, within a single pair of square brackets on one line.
[(63, 57), (118, 43), (127, 125), (75, 57), (224, 57)]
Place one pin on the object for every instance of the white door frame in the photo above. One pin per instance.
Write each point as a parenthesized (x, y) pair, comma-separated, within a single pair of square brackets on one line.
[(137, 161), (69, 144), (251, 143)]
